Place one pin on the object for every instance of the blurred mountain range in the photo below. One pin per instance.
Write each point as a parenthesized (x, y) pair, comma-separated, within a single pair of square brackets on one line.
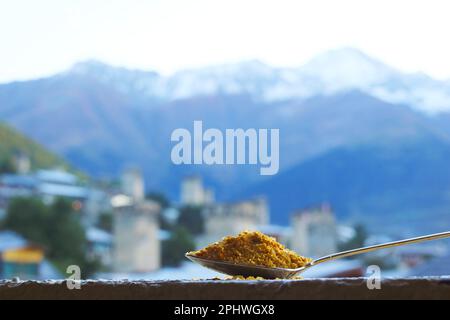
[(342, 107)]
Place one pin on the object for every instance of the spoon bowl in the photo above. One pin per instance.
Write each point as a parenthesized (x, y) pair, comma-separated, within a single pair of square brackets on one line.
[(245, 270)]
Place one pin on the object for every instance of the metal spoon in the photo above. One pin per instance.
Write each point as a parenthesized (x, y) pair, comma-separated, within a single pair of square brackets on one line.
[(282, 273)]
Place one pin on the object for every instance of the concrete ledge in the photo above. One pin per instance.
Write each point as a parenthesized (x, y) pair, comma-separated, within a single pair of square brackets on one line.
[(342, 288)]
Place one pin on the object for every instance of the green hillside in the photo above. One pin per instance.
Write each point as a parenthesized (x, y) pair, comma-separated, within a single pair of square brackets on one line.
[(13, 143)]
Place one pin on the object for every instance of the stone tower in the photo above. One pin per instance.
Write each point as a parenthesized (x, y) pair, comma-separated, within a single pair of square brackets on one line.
[(136, 228), (314, 231)]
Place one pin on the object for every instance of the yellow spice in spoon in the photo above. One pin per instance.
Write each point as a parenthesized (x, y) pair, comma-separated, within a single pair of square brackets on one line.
[(252, 248)]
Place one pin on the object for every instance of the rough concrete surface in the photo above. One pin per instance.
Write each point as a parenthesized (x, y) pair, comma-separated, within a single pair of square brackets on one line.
[(339, 288)]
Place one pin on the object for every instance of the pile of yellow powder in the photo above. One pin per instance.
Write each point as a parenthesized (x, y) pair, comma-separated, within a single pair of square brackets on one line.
[(252, 248)]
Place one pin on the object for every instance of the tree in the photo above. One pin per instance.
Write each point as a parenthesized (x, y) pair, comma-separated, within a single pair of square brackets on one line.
[(7, 165), (160, 198), (357, 241), (176, 246), (191, 218), (106, 221), (164, 202), (67, 236), (29, 217), (56, 227)]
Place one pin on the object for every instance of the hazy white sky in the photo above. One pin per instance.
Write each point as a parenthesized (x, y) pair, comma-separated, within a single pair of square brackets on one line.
[(42, 37)]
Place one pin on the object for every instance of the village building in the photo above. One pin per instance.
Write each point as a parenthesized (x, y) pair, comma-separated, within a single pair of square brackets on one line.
[(314, 232), (136, 228)]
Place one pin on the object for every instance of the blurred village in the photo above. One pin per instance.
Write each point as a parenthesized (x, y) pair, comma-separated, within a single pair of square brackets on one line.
[(50, 219)]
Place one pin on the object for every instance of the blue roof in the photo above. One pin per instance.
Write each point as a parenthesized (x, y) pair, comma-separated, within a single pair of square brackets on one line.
[(56, 176), (163, 234), (19, 180), (99, 236), (62, 190), (10, 240)]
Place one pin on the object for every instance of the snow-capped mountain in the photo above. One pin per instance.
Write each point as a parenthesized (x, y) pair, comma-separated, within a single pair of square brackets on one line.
[(122, 79), (328, 73), (348, 69)]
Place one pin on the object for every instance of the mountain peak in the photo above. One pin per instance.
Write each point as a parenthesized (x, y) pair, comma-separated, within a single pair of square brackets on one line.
[(89, 66), (345, 54), (95, 67), (347, 68), (128, 81)]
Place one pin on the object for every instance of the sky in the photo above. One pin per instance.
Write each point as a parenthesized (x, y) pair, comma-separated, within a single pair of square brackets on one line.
[(39, 38)]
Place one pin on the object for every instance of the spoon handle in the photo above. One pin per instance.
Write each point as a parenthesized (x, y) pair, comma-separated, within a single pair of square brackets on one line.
[(353, 252)]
